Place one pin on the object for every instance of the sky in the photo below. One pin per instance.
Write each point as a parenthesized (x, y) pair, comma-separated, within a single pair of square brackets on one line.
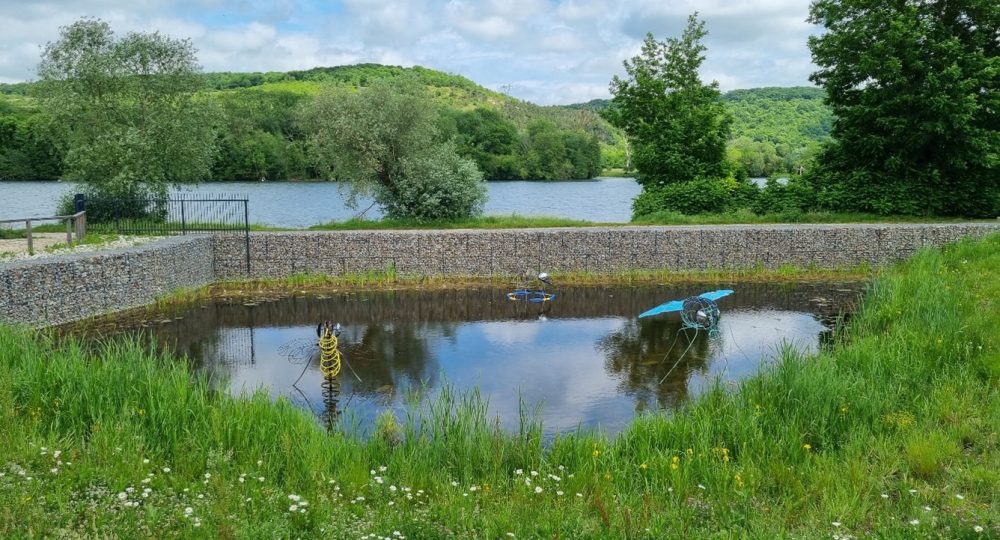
[(544, 51)]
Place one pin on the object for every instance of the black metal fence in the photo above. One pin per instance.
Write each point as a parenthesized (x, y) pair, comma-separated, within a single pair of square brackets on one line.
[(165, 216)]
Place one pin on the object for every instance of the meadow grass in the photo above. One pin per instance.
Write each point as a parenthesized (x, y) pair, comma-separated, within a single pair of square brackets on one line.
[(513, 221), (744, 216), (892, 432)]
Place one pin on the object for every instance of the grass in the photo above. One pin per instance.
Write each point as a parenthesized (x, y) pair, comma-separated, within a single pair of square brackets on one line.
[(512, 221), (390, 279), (748, 217), (892, 433)]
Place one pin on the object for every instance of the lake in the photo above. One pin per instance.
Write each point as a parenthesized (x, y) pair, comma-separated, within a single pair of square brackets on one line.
[(301, 204), (583, 359)]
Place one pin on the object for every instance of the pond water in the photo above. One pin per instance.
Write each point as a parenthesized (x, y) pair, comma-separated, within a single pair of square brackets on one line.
[(301, 204), (583, 359)]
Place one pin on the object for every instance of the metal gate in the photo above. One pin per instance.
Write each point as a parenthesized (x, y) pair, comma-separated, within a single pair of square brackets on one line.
[(165, 216)]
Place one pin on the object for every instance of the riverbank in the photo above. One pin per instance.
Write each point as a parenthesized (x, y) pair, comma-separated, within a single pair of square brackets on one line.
[(892, 432)]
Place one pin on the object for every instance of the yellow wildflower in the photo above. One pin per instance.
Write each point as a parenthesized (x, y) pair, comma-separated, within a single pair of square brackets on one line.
[(644, 466), (807, 446)]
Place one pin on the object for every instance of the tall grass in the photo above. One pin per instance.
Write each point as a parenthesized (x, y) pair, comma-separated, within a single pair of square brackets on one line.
[(892, 433)]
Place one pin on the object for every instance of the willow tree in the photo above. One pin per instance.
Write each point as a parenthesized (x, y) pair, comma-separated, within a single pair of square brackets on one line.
[(383, 141), (914, 89), (128, 109)]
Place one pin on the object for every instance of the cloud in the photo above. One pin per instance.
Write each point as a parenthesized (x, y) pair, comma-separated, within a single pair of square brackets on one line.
[(547, 51)]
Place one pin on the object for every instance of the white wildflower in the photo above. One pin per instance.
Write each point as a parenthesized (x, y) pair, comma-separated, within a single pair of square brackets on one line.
[(538, 489)]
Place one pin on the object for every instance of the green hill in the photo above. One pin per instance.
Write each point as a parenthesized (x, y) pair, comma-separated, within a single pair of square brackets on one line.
[(774, 129), (262, 140)]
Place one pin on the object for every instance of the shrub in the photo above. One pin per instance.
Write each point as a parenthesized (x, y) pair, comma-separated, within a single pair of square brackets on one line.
[(437, 184), (701, 196)]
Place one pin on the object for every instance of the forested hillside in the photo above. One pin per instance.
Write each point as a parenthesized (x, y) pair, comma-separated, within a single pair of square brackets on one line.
[(260, 136), (774, 129)]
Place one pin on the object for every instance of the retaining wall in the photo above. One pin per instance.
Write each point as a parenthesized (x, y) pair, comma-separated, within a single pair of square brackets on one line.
[(67, 288), (63, 289), (511, 251)]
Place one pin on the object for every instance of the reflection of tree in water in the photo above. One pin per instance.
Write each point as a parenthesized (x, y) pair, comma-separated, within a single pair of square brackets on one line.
[(641, 353), (387, 356)]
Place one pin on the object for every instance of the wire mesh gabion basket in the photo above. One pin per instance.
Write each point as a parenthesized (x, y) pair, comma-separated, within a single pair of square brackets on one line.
[(699, 312)]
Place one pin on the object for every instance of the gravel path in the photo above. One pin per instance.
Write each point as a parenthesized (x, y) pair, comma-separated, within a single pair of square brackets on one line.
[(17, 249)]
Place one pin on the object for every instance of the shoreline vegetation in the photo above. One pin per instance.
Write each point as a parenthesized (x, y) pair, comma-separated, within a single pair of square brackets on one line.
[(890, 432)]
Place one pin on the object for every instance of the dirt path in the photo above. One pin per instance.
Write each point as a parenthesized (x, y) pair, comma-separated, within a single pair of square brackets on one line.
[(41, 241)]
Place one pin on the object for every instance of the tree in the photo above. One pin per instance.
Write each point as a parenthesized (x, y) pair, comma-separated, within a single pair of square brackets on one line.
[(914, 89), (128, 108), (382, 140), (677, 126)]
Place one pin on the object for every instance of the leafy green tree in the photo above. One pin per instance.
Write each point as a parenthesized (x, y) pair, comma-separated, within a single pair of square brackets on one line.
[(676, 124), (27, 148), (914, 89), (129, 109), (383, 140)]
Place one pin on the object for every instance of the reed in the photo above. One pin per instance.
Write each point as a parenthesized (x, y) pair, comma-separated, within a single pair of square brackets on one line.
[(892, 432)]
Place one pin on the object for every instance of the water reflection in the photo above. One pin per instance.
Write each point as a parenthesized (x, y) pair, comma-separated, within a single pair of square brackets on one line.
[(585, 358)]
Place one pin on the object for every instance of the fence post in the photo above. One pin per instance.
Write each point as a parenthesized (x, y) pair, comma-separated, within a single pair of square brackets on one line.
[(27, 228), (183, 220), (69, 232), (246, 231)]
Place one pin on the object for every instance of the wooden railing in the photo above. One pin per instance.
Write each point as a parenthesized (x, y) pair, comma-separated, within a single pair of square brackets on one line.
[(76, 224)]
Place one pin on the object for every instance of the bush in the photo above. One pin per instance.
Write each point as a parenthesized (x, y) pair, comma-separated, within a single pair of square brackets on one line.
[(437, 184), (701, 196), (795, 196)]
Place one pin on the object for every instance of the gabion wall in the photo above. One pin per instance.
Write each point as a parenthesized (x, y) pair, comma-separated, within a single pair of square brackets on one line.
[(67, 288), (513, 251), (62, 289)]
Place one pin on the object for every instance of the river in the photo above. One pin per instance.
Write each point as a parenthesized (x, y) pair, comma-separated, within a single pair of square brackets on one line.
[(301, 204)]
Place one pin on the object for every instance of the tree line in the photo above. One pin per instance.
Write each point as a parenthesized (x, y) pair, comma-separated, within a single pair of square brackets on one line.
[(258, 128)]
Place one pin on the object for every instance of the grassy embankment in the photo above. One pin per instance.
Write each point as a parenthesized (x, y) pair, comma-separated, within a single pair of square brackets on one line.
[(892, 432), (664, 218)]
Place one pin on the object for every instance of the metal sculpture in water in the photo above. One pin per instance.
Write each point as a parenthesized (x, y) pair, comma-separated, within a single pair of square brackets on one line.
[(529, 291), (326, 349), (697, 313)]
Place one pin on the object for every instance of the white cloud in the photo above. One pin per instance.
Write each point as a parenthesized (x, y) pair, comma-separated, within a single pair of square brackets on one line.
[(557, 51)]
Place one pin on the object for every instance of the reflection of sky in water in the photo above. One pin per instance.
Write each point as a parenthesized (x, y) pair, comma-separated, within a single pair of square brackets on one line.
[(558, 364)]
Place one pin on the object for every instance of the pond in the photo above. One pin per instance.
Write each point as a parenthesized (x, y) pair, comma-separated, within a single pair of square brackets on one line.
[(301, 204), (583, 359)]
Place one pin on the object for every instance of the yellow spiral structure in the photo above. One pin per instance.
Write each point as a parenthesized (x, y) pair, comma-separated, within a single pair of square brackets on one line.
[(329, 354)]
